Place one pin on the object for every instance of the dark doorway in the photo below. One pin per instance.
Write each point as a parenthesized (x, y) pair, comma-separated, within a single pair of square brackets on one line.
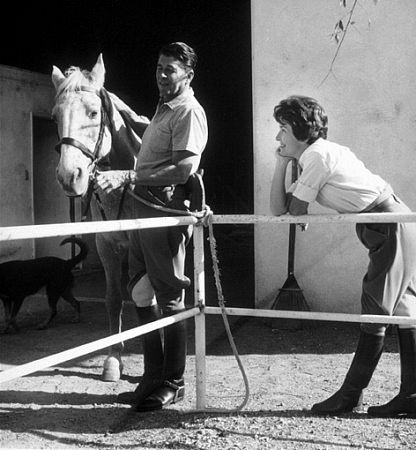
[(50, 204)]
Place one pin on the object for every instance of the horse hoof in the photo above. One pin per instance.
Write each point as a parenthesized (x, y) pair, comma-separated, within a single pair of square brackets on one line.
[(112, 370)]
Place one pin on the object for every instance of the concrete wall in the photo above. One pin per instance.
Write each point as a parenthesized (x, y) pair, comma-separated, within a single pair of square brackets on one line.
[(23, 96), (370, 99)]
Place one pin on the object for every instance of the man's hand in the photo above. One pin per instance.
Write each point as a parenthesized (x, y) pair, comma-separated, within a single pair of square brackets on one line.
[(110, 180)]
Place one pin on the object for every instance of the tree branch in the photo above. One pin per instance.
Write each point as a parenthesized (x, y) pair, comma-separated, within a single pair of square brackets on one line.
[(344, 33)]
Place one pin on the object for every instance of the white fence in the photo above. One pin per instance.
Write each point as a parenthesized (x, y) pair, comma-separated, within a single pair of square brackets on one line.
[(199, 310)]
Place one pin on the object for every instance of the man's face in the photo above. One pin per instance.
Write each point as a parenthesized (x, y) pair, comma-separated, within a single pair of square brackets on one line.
[(171, 77), (289, 146)]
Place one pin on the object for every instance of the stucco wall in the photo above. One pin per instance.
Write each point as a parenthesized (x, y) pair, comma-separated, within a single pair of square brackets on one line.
[(370, 99), (23, 94)]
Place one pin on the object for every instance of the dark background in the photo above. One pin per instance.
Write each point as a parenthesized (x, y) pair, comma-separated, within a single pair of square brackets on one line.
[(129, 34)]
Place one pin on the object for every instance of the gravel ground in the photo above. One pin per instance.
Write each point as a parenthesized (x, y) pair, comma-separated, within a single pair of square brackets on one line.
[(69, 407)]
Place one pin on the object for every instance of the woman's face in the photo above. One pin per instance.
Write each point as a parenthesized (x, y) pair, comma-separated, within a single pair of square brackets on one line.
[(289, 146)]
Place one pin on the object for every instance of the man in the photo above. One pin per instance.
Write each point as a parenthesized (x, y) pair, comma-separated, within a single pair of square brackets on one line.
[(170, 154), (333, 176)]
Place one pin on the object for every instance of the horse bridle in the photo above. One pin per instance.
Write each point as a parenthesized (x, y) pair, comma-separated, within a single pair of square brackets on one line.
[(93, 155)]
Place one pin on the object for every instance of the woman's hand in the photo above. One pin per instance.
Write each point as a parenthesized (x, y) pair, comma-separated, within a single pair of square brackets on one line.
[(285, 157)]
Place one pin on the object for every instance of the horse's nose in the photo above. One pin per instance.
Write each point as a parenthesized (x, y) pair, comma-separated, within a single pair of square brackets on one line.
[(70, 180), (76, 176)]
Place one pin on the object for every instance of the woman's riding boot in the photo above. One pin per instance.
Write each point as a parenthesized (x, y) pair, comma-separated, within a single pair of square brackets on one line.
[(173, 387), (404, 404), (152, 359), (349, 397)]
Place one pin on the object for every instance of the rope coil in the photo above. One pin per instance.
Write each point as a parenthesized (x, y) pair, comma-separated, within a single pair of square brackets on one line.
[(207, 221)]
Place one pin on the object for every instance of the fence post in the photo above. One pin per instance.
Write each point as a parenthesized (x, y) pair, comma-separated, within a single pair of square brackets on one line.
[(200, 339)]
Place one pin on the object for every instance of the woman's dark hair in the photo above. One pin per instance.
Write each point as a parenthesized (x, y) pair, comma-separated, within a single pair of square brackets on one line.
[(305, 115), (182, 52)]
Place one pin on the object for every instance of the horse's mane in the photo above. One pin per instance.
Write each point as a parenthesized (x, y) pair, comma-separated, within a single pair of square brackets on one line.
[(75, 78)]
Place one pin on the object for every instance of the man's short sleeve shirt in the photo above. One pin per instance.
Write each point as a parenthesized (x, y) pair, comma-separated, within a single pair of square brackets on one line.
[(180, 124)]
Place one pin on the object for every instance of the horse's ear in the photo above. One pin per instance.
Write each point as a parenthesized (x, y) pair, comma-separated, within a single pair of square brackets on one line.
[(57, 77), (98, 71)]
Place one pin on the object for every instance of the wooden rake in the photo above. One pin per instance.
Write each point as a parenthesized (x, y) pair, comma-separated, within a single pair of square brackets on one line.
[(290, 296)]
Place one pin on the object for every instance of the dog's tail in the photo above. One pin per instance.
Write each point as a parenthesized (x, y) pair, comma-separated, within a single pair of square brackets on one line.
[(83, 250)]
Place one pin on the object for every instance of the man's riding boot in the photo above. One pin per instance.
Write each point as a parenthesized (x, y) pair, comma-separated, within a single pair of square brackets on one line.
[(349, 397), (404, 404), (152, 359), (173, 387)]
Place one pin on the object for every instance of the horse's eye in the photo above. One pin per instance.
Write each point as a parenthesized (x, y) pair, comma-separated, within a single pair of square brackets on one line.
[(93, 114)]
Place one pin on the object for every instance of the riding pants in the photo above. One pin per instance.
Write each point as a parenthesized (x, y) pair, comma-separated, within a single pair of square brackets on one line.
[(389, 286), (157, 255)]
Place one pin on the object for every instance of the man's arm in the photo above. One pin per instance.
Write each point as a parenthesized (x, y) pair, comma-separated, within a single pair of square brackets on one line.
[(184, 163)]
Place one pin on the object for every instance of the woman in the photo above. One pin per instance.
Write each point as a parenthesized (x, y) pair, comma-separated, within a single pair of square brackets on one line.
[(334, 177)]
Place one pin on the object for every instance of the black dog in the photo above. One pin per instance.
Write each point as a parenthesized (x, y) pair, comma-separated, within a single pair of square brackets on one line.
[(18, 279)]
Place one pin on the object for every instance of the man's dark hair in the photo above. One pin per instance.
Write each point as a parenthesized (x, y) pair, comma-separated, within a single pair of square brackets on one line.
[(305, 115), (182, 52)]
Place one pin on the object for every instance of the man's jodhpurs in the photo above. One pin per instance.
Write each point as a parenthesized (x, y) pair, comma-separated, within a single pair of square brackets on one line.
[(159, 253)]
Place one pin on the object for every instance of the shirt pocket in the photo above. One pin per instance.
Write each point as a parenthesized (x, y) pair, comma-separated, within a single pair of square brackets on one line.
[(162, 139)]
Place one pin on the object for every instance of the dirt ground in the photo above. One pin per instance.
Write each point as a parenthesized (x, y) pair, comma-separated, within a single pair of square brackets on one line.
[(69, 407)]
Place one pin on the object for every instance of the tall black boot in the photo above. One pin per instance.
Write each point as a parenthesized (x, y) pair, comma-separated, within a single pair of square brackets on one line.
[(173, 388), (404, 403), (349, 397), (152, 359)]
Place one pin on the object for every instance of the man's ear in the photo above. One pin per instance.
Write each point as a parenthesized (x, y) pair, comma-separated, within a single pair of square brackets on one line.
[(190, 75)]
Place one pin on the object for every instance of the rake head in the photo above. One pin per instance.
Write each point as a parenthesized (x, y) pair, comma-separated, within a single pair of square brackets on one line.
[(290, 298)]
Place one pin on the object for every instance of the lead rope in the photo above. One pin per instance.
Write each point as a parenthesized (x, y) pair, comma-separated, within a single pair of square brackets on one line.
[(207, 221)]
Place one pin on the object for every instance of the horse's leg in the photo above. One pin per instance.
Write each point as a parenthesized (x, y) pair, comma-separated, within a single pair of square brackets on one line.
[(111, 256)]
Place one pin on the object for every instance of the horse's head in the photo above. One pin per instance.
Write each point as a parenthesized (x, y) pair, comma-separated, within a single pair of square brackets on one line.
[(82, 125)]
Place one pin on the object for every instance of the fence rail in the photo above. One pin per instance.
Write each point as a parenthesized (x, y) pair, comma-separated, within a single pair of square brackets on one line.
[(63, 229), (199, 310), (85, 349)]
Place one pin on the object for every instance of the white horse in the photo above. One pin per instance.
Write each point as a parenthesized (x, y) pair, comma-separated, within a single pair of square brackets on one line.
[(95, 133)]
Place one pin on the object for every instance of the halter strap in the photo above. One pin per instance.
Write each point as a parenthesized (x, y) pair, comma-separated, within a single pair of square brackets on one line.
[(74, 143)]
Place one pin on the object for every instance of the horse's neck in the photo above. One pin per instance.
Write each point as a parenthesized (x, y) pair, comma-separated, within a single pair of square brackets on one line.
[(125, 142), (124, 149)]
